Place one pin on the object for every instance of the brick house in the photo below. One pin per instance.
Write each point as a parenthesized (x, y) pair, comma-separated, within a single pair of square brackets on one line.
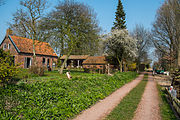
[(22, 51), (74, 60)]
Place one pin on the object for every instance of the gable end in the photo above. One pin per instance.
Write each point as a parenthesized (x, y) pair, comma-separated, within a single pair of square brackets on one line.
[(14, 44)]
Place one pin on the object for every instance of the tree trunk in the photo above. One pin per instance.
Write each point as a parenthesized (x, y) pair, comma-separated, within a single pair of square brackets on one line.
[(120, 63), (34, 54), (62, 66), (125, 68), (138, 63), (179, 53)]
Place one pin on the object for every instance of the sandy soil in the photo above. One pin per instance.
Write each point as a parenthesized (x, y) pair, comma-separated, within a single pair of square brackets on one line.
[(105, 106), (148, 109)]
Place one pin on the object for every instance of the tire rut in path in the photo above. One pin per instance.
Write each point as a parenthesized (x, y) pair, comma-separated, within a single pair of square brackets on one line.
[(105, 106), (148, 108)]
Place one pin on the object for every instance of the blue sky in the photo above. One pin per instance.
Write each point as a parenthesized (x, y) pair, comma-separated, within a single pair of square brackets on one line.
[(137, 12)]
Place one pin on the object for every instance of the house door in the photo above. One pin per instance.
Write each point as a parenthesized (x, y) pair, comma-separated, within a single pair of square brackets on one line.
[(48, 63), (27, 62)]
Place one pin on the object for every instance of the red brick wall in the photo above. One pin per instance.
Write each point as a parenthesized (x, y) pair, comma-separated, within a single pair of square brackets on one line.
[(20, 58), (94, 66), (12, 49), (39, 60)]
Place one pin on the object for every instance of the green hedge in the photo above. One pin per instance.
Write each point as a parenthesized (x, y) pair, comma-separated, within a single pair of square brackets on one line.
[(57, 99)]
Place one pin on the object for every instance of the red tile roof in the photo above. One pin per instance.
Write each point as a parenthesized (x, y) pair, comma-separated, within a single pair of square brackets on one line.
[(25, 45), (95, 60), (75, 57)]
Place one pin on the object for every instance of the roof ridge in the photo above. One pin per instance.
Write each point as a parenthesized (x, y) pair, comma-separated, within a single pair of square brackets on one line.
[(28, 38)]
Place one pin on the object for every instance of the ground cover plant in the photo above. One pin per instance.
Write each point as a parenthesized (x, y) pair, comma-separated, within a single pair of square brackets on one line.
[(125, 110), (165, 109), (55, 97)]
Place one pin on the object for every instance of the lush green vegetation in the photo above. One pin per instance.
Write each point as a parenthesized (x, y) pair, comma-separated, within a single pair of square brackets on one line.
[(166, 111), (125, 110), (7, 68), (54, 96)]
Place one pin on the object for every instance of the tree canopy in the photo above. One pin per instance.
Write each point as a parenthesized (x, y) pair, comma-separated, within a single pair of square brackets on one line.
[(82, 23), (143, 37), (121, 46), (166, 37)]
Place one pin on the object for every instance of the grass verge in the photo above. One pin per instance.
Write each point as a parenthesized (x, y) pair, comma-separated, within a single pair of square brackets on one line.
[(56, 97), (125, 110), (165, 109)]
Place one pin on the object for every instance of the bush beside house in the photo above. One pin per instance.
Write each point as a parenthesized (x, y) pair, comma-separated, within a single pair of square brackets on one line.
[(7, 68)]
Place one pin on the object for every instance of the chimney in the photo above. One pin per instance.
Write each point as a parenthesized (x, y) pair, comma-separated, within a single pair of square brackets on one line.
[(9, 32)]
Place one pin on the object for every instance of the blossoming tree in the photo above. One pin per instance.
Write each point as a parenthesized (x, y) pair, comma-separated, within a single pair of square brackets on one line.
[(121, 46)]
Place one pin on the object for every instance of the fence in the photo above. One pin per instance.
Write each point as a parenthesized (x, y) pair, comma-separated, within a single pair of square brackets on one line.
[(174, 102)]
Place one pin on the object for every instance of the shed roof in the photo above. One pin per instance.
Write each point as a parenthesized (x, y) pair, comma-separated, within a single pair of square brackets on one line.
[(95, 60), (25, 45), (75, 57)]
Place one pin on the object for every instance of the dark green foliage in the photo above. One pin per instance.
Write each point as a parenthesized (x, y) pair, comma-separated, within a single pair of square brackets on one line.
[(125, 110), (58, 98), (120, 17), (7, 68)]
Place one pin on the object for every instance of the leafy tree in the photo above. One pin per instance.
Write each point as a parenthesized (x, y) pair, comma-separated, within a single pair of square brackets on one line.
[(121, 46), (26, 20), (143, 38), (72, 29), (120, 22), (7, 68)]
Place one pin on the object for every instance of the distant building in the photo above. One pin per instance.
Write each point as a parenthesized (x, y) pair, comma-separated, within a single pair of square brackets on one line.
[(74, 60), (22, 50), (98, 62)]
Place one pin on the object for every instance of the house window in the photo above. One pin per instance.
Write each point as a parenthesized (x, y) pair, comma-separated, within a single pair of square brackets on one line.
[(9, 46), (27, 62), (48, 62), (44, 61), (4, 47)]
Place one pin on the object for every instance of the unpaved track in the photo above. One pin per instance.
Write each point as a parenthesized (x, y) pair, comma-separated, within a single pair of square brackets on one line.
[(148, 108), (105, 106)]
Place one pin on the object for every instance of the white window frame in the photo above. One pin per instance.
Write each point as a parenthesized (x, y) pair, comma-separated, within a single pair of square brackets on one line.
[(4, 46), (9, 46)]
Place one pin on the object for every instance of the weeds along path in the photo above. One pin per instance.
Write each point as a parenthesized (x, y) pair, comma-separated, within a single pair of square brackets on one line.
[(148, 108), (105, 106)]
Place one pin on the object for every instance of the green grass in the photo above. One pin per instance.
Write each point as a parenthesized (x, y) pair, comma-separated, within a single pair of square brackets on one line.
[(165, 109), (24, 75), (125, 110), (53, 96)]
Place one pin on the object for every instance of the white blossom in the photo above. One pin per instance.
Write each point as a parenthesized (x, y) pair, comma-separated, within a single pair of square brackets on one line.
[(120, 43)]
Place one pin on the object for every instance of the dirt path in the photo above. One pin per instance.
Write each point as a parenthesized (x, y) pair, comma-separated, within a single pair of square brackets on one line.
[(105, 106), (148, 109)]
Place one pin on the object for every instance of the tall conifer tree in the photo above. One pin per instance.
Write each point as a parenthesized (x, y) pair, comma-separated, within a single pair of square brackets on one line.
[(120, 17)]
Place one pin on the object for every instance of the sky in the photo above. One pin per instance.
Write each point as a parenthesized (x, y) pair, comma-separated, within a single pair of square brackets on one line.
[(137, 12)]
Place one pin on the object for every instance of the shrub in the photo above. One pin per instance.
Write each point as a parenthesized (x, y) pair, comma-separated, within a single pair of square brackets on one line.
[(7, 68), (132, 67), (37, 70)]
